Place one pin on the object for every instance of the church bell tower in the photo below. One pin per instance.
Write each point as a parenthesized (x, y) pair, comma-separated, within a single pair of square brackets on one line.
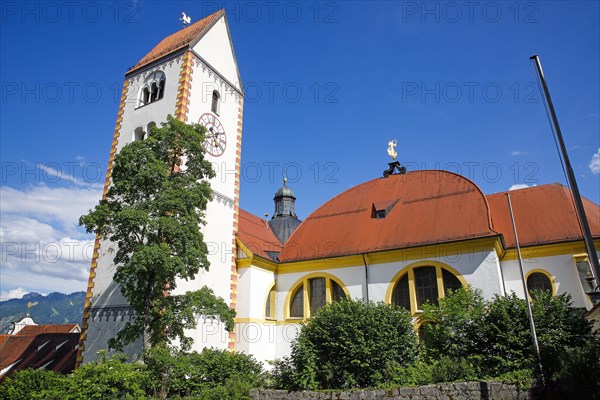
[(192, 75)]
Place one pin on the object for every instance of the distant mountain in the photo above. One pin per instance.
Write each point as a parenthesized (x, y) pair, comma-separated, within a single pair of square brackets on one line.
[(55, 308)]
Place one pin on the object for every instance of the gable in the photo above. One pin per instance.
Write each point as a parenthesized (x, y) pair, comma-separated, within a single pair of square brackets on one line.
[(215, 47)]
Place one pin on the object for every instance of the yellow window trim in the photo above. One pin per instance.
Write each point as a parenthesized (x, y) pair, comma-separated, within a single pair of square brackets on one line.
[(543, 272), (410, 270), (304, 281)]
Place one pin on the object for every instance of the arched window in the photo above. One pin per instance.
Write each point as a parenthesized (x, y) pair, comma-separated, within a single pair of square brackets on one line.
[(539, 281), (422, 284), (215, 102), (149, 127), (317, 290), (270, 304), (139, 134), (153, 88)]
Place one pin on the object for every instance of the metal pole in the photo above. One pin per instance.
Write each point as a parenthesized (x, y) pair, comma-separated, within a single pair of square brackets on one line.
[(583, 222), (366, 278), (536, 346)]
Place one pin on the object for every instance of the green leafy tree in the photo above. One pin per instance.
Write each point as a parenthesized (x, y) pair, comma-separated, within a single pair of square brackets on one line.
[(32, 384), (153, 211), (349, 344)]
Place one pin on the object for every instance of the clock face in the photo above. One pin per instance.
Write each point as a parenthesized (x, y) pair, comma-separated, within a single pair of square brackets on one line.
[(215, 140)]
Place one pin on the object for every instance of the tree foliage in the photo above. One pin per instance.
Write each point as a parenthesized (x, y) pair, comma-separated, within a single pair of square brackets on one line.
[(32, 384), (153, 211), (349, 344), (495, 336), (180, 374)]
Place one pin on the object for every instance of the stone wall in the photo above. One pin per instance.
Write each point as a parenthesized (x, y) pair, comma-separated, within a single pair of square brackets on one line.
[(483, 390)]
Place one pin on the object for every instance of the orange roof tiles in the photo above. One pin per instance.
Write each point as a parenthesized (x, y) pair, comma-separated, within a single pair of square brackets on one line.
[(255, 234), (543, 214), (431, 207), (177, 40)]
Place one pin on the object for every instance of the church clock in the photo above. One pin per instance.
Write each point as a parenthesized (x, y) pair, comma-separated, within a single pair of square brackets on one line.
[(215, 140)]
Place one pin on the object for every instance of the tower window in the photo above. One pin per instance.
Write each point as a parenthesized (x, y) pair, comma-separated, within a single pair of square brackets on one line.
[(215, 102), (153, 88), (139, 134)]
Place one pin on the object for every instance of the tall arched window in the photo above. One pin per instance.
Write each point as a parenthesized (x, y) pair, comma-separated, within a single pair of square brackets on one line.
[(215, 102), (317, 290), (153, 88), (270, 304), (422, 284)]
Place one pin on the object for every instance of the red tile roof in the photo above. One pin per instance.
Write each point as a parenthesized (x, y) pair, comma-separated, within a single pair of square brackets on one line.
[(431, 207), (255, 234), (53, 349), (543, 215), (178, 40), (50, 328)]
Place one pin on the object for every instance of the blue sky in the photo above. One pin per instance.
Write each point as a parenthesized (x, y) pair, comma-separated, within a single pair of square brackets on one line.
[(327, 84)]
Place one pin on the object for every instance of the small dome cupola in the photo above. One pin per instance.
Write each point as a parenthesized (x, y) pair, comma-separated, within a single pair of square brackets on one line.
[(285, 202), (284, 221)]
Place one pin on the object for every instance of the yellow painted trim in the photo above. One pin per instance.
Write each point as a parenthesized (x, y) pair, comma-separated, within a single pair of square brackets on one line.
[(304, 281), (399, 255), (409, 269), (549, 250), (544, 272), (244, 249)]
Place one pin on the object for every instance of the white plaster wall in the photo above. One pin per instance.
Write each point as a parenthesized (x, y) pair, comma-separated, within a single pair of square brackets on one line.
[(204, 81), (215, 47), (561, 267)]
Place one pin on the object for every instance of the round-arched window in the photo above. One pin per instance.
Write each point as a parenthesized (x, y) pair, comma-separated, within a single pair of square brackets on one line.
[(539, 281), (424, 284)]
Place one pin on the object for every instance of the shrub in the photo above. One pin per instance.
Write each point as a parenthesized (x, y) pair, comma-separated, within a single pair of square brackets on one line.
[(178, 373), (448, 369), (33, 384), (348, 344), (109, 378), (450, 327)]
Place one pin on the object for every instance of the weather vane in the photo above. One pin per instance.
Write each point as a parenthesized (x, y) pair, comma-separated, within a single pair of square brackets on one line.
[(185, 20)]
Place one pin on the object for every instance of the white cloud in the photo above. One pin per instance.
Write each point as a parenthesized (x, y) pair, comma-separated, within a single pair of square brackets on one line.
[(595, 163), (518, 186), (63, 205), (42, 247), (13, 294)]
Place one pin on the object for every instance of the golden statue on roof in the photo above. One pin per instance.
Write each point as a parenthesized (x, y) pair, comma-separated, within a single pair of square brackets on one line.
[(391, 151)]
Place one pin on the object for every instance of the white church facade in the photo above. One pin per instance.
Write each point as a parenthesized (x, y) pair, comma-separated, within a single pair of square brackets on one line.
[(404, 239)]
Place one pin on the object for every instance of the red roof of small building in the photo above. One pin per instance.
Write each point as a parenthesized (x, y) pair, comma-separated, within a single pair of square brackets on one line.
[(543, 215), (424, 207), (255, 234), (53, 347), (178, 40)]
